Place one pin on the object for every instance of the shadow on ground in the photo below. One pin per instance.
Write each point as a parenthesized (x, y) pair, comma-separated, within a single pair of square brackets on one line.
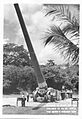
[(39, 106)]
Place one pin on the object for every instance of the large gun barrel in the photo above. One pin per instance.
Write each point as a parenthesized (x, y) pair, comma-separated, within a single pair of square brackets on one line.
[(40, 78)]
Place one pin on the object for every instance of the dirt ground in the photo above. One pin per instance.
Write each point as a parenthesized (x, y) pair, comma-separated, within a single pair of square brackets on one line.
[(59, 107)]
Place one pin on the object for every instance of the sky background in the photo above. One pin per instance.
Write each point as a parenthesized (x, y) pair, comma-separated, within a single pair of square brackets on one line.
[(36, 24)]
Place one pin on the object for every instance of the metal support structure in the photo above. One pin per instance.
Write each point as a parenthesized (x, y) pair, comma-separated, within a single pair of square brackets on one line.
[(40, 79)]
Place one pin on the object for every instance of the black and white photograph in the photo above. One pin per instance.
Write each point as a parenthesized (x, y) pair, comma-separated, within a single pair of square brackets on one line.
[(41, 59)]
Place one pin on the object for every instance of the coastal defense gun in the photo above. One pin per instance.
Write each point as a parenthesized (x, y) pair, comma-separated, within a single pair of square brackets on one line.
[(43, 94), (40, 78)]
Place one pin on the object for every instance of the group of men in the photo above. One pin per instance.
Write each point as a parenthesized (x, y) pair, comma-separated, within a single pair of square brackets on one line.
[(44, 95), (24, 97)]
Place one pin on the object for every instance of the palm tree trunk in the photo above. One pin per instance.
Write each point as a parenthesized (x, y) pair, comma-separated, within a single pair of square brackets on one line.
[(40, 79)]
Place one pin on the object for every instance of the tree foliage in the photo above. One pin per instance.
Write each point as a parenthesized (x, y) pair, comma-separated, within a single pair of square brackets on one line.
[(15, 55), (56, 76), (11, 76), (64, 35), (23, 78), (18, 78)]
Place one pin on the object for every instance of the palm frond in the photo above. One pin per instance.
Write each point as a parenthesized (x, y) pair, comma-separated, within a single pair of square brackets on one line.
[(67, 48), (63, 14)]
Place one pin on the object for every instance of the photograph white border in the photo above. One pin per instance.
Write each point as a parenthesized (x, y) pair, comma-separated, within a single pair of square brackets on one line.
[(2, 2)]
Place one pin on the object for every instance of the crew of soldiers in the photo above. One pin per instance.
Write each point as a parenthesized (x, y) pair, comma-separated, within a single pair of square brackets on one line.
[(45, 95), (23, 97)]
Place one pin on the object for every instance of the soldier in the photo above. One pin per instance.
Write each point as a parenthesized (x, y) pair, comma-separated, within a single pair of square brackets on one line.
[(23, 101), (27, 96)]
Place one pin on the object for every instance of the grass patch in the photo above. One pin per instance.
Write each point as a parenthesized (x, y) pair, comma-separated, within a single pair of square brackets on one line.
[(24, 110)]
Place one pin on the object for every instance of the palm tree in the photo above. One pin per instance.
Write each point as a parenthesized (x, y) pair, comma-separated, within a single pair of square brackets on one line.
[(64, 35)]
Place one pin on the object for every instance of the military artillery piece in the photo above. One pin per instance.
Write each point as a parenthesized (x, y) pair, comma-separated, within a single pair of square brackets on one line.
[(50, 95), (42, 93)]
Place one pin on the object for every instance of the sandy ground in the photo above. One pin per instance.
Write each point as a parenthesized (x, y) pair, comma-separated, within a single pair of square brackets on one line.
[(59, 107), (12, 101)]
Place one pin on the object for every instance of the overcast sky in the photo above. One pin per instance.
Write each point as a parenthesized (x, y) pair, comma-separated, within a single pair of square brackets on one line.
[(36, 24)]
